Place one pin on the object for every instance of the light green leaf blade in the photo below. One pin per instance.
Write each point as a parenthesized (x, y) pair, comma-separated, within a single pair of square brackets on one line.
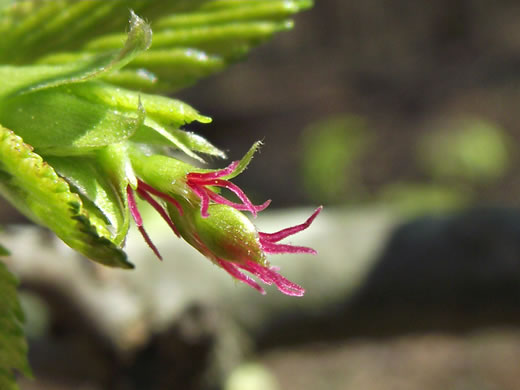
[(30, 184), (160, 108), (192, 39), (221, 12), (22, 80), (197, 143), (163, 117), (34, 28), (156, 133), (58, 122), (13, 347), (172, 69)]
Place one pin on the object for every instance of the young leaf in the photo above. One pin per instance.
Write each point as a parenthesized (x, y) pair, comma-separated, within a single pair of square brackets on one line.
[(34, 187), (33, 28), (21, 80), (196, 43), (13, 347), (57, 122), (192, 38)]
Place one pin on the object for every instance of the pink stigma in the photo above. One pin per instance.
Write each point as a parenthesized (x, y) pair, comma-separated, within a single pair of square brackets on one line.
[(233, 270), (268, 275), (199, 183), (271, 275), (145, 192), (268, 241), (139, 221)]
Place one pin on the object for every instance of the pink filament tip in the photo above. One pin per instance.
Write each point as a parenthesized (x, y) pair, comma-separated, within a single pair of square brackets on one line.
[(200, 183), (132, 205), (235, 273), (268, 241), (267, 275)]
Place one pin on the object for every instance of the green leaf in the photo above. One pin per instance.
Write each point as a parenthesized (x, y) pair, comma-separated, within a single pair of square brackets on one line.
[(161, 126), (222, 12), (84, 117), (13, 347), (161, 134), (57, 122), (184, 140), (172, 69), (21, 80), (209, 38), (35, 188), (192, 39), (32, 28), (160, 108), (81, 118), (228, 39), (138, 39)]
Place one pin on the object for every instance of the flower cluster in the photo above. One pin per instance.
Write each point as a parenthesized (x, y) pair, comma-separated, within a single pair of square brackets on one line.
[(187, 199)]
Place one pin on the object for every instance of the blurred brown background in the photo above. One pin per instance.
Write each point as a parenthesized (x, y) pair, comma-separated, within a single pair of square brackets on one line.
[(405, 70)]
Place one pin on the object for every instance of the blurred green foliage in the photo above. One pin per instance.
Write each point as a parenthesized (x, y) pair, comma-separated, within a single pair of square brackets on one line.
[(332, 149), (472, 150), (417, 198), (37, 312), (455, 163)]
